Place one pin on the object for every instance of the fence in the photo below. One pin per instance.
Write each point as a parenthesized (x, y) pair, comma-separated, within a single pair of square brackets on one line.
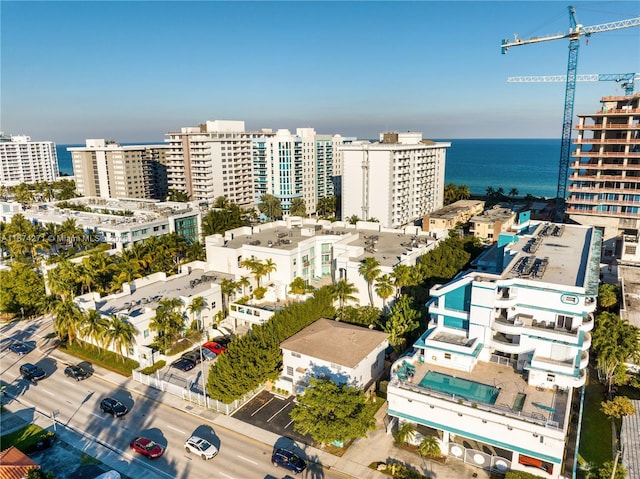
[(192, 393)]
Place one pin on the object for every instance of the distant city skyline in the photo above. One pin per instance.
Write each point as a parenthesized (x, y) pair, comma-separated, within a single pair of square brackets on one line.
[(132, 71)]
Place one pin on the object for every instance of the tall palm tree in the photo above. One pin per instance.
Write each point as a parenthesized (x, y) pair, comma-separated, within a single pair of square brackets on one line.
[(195, 307), (255, 266), (168, 321), (513, 192), (269, 267), (243, 283), (344, 291), (369, 269), (227, 287), (62, 279), (401, 276), (270, 206), (297, 207), (121, 334), (94, 327), (384, 289), (68, 320)]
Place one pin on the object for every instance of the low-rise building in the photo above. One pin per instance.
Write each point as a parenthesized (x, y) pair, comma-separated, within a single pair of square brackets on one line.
[(496, 376), (491, 222), (447, 217), (342, 352), (318, 251)]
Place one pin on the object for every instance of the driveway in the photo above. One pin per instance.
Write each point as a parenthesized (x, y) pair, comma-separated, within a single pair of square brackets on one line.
[(271, 413)]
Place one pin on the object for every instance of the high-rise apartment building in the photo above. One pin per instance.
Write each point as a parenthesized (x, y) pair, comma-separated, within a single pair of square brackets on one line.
[(213, 160), (26, 161), (605, 175), (296, 165), (397, 180), (109, 170)]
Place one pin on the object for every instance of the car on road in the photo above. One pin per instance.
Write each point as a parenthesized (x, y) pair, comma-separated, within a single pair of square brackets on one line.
[(202, 447), (20, 348), (215, 347), (32, 372), (147, 447), (183, 364), (289, 460), (76, 372), (113, 406)]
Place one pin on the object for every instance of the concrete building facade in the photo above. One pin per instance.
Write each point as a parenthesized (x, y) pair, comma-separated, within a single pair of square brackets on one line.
[(496, 377), (604, 189), (26, 161), (397, 180), (108, 170)]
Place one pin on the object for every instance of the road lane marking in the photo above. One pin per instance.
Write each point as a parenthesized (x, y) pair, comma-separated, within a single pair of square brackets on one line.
[(48, 392), (96, 415), (227, 475), (257, 410), (247, 459), (176, 429), (278, 412)]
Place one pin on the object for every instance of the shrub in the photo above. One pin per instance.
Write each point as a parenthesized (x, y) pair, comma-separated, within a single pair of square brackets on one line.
[(154, 367), (102, 357), (259, 292), (520, 475)]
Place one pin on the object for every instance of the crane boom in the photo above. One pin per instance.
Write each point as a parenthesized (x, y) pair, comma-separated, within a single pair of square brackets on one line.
[(575, 32), (625, 79)]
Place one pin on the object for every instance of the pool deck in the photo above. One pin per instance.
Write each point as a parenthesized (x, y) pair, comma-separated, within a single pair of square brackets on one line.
[(541, 404)]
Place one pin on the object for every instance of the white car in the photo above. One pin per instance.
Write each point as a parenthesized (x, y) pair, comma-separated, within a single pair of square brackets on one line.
[(204, 448)]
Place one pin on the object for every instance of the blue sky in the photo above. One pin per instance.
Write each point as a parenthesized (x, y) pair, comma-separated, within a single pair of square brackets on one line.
[(131, 71)]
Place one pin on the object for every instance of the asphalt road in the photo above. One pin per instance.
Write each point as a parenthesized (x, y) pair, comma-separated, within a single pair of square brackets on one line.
[(76, 404)]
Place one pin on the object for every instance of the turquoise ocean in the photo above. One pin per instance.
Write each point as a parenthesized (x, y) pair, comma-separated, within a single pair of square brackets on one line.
[(528, 165)]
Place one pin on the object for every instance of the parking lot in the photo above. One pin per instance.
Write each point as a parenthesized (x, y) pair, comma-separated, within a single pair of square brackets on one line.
[(271, 413)]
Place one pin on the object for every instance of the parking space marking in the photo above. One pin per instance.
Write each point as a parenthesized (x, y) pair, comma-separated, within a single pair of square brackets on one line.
[(278, 412), (96, 415), (227, 475), (288, 424), (247, 459), (258, 410), (176, 429), (48, 392)]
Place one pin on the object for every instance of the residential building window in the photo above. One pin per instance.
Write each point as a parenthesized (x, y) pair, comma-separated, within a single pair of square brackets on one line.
[(146, 333), (296, 355), (551, 378), (289, 370), (447, 355)]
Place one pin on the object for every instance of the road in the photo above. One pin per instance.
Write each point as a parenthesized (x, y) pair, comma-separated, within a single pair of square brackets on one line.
[(76, 404)]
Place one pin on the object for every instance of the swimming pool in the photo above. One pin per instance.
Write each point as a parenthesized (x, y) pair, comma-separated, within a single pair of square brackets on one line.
[(470, 390)]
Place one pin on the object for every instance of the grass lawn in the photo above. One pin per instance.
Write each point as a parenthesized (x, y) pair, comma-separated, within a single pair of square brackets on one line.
[(25, 438), (595, 437)]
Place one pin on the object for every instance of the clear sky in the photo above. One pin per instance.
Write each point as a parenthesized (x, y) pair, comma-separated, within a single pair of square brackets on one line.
[(132, 71)]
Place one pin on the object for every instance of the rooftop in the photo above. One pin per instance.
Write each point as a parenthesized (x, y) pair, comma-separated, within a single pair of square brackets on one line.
[(454, 209), (335, 342)]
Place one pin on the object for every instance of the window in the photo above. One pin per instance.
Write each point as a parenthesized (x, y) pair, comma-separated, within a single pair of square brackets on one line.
[(146, 333), (296, 355), (289, 370), (447, 355), (551, 378)]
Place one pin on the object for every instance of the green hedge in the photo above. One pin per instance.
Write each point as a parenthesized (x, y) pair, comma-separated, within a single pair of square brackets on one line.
[(521, 475), (155, 367), (101, 357)]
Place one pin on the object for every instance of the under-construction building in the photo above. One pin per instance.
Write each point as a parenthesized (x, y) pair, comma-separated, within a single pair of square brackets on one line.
[(604, 188)]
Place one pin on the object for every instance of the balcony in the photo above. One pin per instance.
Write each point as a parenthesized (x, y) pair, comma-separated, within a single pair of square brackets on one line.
[(586, 342), (501, 343), (584, 359), (505, 298), (508, 326)]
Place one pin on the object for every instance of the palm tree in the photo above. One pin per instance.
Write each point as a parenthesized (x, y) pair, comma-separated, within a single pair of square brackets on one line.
[(401, 276), (429, 447), (243, 283), (196, 305), (369, 269), (94, 326), (256, 267), (513, 192), (269, 267), (177, 195), (353, 219), (344, 291), (121, 334), (227, 287), (168, 321), (270, 206), (68, 320), (62, 279), (297, 207), (405, 433), (490, 192), (327, 205), (384, 289)]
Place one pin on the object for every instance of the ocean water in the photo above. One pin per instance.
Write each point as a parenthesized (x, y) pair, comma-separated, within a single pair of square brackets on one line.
[(529, 165)]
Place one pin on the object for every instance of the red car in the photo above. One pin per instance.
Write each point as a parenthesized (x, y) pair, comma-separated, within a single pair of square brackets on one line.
[(215, 347), (147, 447)]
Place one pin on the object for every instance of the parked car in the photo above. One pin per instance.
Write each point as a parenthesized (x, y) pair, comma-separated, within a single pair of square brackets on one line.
[(194, 356), (215, 347), (184, 364), (20, 348), (32, 373), (289, 460), (202, 447), (113, 406), (208, 355), (76, 372), (147, 447)]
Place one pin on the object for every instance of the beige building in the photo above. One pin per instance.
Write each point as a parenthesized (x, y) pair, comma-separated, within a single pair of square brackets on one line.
[(213, 159), (490, 223), (109, 170), (449, 216)]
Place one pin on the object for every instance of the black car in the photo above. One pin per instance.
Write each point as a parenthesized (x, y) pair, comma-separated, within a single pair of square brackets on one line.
[(194, 356), (76, 372), (184, 364), (113, 406), (32, 372), (20, 349), (288, 460)]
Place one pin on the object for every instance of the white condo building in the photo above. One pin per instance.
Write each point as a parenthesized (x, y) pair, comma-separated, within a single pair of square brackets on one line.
[(26, 161), (213, 160), (397, 180), (299, 165), (497, 376)]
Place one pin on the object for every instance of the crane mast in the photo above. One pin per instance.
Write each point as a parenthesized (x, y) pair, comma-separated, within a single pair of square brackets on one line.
[(575, 32)]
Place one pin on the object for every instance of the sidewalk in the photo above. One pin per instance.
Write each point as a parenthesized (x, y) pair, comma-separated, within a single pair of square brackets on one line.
[(378, 446)]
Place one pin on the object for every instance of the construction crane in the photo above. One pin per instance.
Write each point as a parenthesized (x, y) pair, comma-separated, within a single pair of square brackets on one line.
[(626, 80), (575, 32)]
